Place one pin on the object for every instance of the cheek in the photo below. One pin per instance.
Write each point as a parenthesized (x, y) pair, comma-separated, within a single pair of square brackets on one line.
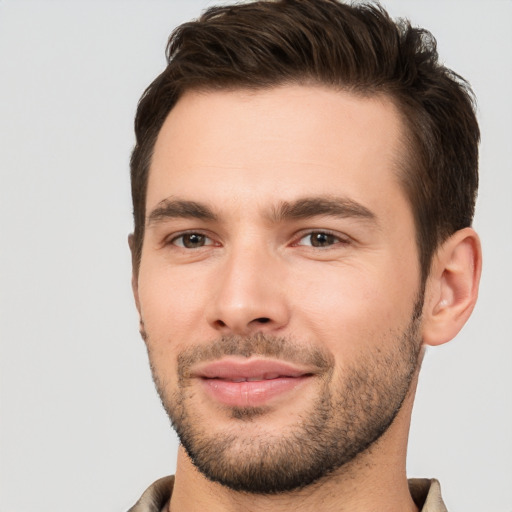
[(350, 308), (171, 303), (166, 312)]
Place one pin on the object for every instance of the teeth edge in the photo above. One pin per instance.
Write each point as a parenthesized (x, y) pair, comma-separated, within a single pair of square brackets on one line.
[(256, 379)]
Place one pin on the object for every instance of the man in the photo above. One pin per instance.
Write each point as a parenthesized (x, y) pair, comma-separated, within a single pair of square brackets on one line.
[(303, 182)]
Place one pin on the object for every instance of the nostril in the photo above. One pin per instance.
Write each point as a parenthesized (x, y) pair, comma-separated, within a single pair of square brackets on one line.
[(221, 324)]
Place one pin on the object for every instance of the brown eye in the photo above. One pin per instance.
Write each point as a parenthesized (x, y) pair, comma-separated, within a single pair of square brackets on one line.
[(191, 240), (320, 239)]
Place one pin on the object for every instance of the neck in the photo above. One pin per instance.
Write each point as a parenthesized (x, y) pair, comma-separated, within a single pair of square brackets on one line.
[(374, 481)]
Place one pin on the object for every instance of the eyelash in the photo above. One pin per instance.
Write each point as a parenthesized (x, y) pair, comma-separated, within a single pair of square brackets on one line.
[(336, 239), (182, 236), (332, 239)]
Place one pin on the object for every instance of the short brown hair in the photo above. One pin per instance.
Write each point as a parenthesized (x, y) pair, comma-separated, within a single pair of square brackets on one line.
[(357, 48)]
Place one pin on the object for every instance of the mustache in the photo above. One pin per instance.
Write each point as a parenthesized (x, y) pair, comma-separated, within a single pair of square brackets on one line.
[(259, 344)]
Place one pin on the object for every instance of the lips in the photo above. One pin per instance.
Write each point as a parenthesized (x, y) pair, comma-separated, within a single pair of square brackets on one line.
[(250, 383), (257, 378)]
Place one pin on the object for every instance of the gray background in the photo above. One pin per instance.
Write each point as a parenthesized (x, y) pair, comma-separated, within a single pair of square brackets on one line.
[(81, 427)]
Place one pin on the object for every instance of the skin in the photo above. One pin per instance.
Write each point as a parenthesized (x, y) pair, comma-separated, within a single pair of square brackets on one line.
[(242, 155)]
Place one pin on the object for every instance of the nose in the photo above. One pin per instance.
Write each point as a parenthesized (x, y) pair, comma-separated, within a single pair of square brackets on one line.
[(249, 294)]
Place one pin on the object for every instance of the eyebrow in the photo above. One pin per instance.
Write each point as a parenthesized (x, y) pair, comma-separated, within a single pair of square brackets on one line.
[(321, 206), (175, 209), (300, 209)]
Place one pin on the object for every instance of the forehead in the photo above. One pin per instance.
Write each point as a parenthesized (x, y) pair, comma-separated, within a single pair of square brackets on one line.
[(277, 144)]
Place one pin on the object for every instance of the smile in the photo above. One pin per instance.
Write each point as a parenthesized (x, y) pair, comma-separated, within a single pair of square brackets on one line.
[(255, 379), (250, 383)]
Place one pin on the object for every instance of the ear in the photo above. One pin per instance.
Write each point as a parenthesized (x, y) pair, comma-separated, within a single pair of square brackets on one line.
[(135, 276), (452, 287)]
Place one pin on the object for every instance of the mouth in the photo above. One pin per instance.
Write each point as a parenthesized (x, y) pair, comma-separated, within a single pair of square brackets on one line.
[(252, 382)]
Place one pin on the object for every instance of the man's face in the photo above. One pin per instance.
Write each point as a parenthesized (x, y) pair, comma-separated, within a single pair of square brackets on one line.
[(279, 281)]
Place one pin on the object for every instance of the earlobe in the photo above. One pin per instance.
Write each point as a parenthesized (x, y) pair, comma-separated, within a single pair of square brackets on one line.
[(452, 287)]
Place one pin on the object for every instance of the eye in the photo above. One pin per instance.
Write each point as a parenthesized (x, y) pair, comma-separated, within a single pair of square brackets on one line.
[(192, 241), (320, 239)]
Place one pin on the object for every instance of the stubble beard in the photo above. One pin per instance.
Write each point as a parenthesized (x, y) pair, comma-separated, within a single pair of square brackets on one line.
[(350, 413)]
